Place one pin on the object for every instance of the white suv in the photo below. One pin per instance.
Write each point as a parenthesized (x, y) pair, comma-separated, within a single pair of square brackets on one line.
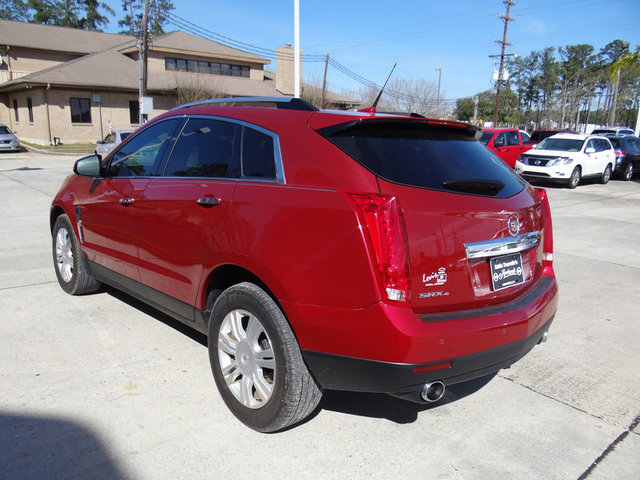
[(567, 158)]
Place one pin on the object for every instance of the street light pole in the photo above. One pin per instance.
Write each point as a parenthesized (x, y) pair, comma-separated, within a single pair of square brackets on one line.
[(439, 70), (296, 47)]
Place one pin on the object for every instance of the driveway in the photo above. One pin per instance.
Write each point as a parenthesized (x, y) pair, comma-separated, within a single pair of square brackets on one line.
[(101, 386)]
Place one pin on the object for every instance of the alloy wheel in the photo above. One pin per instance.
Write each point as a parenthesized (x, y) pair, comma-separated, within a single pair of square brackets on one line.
[(246, 358), (64, 255)]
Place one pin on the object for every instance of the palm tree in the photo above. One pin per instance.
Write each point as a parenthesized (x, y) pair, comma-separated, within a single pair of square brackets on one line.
[(621, 64)]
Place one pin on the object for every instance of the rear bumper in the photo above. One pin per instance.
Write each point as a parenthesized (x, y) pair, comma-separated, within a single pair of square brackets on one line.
[(334, 372), (389, 349)]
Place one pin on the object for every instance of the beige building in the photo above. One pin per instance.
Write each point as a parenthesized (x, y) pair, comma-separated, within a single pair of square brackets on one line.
[(67, 85)]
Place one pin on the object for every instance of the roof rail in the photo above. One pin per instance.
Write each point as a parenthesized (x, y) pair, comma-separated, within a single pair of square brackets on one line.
[(287, 103)]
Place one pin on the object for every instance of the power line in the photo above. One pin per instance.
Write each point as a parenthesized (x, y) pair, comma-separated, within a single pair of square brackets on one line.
[(195, 29)]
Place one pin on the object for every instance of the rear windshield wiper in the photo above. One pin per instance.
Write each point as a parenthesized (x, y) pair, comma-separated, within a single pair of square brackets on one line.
[(477, 186)]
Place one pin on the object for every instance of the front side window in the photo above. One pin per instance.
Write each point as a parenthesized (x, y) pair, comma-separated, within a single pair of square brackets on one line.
[(80, 110), (142, 155), (205, 148), (512, 138)]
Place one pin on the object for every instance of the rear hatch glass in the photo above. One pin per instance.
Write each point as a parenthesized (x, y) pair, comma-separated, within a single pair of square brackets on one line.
[(455, 195)]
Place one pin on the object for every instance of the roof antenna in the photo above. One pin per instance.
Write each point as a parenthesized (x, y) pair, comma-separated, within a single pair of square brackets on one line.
[(372, 108)]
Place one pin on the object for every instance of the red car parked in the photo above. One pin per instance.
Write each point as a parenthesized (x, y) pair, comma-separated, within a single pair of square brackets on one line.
[(317, 250), (506, 143)]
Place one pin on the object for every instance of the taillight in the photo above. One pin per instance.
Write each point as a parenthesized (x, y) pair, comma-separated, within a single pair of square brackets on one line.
[(547, 255), (384, 222)]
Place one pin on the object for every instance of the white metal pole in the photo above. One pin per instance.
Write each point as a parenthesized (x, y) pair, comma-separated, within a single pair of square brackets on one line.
[(296, 46)]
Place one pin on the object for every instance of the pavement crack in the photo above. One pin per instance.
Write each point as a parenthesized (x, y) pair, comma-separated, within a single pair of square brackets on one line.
[(13, 287), (610, 448)]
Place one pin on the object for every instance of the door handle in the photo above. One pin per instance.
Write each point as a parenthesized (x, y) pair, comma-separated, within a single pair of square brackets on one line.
[(126, 201), (208, 202)]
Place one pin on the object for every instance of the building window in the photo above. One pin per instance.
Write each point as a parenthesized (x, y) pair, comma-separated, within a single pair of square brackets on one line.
[(170, 64), (80, 110), (134, 111), (30, 108), (211, 68), (15, 110)]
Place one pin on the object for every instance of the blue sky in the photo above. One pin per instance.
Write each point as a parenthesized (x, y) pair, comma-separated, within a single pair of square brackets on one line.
[(369, 36)]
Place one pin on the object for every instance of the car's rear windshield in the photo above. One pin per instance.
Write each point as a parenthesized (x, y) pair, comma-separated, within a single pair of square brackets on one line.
[(561, 144), (418, 154)]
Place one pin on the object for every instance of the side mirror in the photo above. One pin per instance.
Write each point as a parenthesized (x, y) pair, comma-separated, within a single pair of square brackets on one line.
[(99, 142), (88, 166), (498, 143), (590, 150)]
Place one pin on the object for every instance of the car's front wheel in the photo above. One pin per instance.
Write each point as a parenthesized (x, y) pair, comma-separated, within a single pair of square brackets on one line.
[(606, 175), (575, 178), (72, 270), (256, 361)]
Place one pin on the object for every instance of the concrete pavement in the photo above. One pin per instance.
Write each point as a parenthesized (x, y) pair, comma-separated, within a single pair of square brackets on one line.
[(101, 386)]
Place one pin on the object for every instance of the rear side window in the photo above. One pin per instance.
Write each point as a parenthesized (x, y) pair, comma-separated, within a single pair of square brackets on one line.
[(258, 160), (426, 156), (205, 148)]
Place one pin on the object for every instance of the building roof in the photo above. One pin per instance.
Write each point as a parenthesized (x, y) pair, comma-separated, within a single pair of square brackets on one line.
[(106, 64), (113, 70), (59, 39), (178, 41)]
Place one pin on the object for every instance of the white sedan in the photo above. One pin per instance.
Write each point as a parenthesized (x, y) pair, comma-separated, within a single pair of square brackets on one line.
[(111, 141), (568, 158)]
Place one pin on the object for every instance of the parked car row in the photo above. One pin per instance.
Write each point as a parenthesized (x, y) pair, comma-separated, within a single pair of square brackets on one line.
[(567, 157)]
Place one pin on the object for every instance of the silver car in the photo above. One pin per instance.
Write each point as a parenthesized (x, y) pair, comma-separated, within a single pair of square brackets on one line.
[(111, 141), (8, 140)]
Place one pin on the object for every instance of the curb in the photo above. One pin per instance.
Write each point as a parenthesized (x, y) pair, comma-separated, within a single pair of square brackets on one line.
[(49, 152)]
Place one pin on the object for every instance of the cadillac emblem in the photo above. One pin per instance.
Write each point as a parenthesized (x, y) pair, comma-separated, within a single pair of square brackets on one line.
[(513, 225)]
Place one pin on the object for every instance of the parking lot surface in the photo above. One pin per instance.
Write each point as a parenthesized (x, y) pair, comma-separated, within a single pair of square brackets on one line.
[(101, 386)]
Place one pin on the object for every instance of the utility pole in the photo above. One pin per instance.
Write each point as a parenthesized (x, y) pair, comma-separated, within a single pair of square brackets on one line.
[(324, 82), (476, 99), (143, 56), (296, 47), (504, 43), (439, 70)]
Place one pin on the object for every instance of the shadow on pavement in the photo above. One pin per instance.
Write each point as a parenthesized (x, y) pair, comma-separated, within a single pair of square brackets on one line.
[(375, 405), (33, 447), (379, 405)]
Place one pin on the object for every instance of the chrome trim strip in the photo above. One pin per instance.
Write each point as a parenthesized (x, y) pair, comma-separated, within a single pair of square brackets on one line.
[(502, 246)]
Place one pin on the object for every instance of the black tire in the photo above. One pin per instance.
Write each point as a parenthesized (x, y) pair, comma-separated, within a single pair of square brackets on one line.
[(628, 172), (266, 360), (72, 270), (606, 175), (575, 178)]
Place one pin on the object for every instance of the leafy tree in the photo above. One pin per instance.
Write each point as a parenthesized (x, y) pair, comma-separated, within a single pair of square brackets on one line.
[(509, 113), (93, 19), (15, 10), (134, 11)]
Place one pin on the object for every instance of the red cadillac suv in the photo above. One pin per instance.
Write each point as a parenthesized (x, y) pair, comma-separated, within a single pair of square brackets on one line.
[(317, 250)]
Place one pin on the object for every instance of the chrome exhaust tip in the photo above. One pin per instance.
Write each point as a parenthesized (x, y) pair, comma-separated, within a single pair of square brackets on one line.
[(544, 337), (432, 391)]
